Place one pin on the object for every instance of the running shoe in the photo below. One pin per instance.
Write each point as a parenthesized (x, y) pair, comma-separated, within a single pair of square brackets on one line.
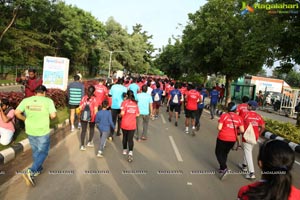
[(28, 176), (72, 128), (125, 152), (250, 176), (176, 124), (82, 148), (243, 167), (100, 154), (223, 174), (110, 138), (79, 125), (90, 144)]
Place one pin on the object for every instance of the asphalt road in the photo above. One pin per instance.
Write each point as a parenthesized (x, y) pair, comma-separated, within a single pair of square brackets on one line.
[(169, 165)]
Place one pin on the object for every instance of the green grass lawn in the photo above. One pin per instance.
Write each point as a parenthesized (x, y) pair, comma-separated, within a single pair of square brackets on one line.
[(62, 115)]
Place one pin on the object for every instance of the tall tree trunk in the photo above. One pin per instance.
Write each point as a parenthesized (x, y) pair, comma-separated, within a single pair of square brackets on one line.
[(15, 13), (228, 81)]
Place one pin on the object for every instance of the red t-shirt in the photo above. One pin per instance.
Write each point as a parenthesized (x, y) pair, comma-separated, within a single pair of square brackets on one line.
[(192, 99), (131, 110), (294, 195), (100, 92), (255, 119), (227, 133), (31, 85), (93, 105), (242, 109)]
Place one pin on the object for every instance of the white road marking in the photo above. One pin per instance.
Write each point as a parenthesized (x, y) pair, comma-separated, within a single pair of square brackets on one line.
[(179, 158), (163, 118)]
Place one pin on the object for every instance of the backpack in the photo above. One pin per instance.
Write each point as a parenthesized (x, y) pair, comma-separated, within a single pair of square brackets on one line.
[(86, 113), (249, 135), (156, 97), (175, 98)]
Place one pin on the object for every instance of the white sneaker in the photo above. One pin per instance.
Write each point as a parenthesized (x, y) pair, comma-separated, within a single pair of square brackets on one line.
[(100, 154), (79, 125), (250, 176), (72, 128), (90, 144), (125, 152), (82, 148), (243, 167), (130, 153)]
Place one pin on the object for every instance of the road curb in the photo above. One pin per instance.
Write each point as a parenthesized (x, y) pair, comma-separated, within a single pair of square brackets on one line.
[(269, 135), (7, 84), (12, 152)]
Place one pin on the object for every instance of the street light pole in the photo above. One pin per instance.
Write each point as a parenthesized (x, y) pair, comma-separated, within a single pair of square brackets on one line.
[(110, 59)]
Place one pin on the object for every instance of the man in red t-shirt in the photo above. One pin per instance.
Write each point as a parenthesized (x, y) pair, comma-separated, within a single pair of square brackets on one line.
[(192, 97), (258, 124), (31, 83), (243, 107), (101, 92)]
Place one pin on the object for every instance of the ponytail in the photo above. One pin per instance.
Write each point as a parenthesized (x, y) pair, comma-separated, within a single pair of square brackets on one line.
[(277, 160)]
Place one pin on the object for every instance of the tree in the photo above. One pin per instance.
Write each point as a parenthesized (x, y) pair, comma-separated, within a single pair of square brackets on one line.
[(220, 41)]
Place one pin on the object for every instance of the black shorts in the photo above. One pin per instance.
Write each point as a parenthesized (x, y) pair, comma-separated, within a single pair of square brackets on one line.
[(73, 106), (190, 113), (175, 107)]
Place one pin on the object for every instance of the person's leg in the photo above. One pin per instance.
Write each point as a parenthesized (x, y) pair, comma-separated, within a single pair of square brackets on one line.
[(103, 138), (114, 115), (83, 132), (41, 147), (248, 156), (6, 136), (125, 139), (92, 131), (119, 122), (130, 140), (211, 110), (222, 149), (187, 120), (197, 117), (72, 118), (145, 125), (138, 127)]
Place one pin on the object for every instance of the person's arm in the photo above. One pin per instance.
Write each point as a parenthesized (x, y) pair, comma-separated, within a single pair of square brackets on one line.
[(220, 126), (5, 117), (52, 115), (19, 115)]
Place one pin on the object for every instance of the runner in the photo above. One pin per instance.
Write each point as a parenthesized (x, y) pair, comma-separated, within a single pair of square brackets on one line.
[(203, 94), (145, 106), (192, 98), (214, 96), (258, 124), (156, 95), (104, 123), (174, 103), (39, 110), (134, 87), (88, 108), (243, 107), (101, 91), (129, 113), (7, 122), (117, 93), (75, 92), (276, 160), (229, 124)]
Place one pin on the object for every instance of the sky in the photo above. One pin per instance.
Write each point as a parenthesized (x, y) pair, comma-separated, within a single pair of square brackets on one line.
[(159, 18)]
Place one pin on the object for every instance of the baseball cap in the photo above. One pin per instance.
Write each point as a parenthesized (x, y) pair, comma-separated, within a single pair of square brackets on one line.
[(253, 104)]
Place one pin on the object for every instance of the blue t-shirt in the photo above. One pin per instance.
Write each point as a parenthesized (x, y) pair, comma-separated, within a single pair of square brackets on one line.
[(173, 93), (116, 92), (104, 120), (214, 96), (157, 91), (134, 88), (203, 94), (144, 99)]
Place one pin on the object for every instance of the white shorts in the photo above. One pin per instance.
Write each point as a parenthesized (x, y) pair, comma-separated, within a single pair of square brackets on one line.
[(5, 136)]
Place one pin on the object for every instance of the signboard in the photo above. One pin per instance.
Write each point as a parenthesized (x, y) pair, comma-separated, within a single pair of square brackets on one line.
[(56, 72)]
